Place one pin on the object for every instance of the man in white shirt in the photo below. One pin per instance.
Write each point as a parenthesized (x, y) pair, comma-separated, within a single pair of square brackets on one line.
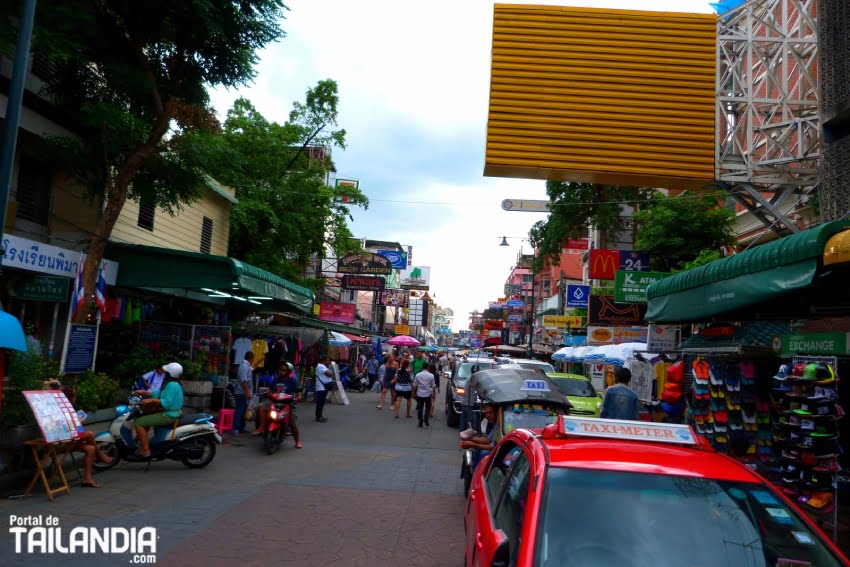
[(423, 386), (324, 376)]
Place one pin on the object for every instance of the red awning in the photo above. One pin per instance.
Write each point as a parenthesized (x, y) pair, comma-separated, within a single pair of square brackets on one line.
[(355, 338)]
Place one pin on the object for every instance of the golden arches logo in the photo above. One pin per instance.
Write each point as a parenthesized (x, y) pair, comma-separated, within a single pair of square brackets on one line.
[(608, 263)]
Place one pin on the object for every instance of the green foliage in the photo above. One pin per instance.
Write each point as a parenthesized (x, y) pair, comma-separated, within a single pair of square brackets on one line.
[(96, 391), (575, 209), (130, 79), (26, 371), (675, 230), (194, 369), (139, 361), (704, 257), (284, 205)]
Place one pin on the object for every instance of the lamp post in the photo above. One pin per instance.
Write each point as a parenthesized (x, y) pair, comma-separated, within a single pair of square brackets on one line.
[(532, 313)]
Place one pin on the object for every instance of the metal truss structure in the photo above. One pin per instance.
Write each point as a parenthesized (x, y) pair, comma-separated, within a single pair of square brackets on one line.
[(767, 144)]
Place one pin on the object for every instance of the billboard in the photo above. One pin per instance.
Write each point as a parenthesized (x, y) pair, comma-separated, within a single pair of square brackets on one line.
[(393, 297), (397, 259), (604, 311), (363, 283), (415, 277), (364, 263), (337, 312)]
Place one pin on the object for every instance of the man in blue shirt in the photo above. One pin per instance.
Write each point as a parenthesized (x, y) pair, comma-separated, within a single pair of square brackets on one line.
[(620, 401), (372, 369)]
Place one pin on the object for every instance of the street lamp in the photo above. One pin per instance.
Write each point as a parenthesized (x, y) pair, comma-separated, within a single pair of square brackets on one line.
[(531, 314)]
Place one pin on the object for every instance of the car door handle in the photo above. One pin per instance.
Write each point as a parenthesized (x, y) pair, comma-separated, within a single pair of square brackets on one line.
[(472, 494), (479, 541)]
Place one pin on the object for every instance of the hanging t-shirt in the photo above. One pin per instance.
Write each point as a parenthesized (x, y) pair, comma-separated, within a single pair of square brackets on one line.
[(641, 378), (240, 347), (259, 347)]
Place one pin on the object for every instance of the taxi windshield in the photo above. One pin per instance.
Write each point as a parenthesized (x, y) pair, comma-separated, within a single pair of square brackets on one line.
[(633, 519), (575, 387)]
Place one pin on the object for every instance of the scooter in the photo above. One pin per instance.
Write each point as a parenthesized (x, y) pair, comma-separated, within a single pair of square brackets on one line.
[(192, 442), (360, 382), (276, 426)]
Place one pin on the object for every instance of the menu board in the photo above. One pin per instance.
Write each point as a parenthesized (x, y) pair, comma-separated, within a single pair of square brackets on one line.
[(55, 415)]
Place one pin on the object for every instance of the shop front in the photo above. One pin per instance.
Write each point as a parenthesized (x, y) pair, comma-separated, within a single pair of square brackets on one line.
[(182, 305), (762, 370)]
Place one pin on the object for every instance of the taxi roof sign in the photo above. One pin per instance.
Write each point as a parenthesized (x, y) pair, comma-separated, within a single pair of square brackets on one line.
[(631, 430), (535, 386)]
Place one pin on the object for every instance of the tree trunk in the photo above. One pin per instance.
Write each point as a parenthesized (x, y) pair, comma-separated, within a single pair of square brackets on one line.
[(116, 196)]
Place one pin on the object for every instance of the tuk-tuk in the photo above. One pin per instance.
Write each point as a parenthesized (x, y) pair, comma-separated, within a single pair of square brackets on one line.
[(525, 399)]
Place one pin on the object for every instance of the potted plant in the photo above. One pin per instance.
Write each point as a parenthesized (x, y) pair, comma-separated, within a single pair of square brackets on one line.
[(194, 382)]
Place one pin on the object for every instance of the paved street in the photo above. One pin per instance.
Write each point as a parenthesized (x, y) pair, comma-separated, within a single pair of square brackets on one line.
[(367, 489)]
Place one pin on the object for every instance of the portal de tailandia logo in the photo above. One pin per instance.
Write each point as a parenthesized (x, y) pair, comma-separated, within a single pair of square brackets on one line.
[(43, 534)]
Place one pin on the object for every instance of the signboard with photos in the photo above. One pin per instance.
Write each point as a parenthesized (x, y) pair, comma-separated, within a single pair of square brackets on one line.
[(55, 415)]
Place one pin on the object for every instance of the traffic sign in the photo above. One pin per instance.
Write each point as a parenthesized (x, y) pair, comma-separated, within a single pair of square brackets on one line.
[(577, 295), (630, 287)]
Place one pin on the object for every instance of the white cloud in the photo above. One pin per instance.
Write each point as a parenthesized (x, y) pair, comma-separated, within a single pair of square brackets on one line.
[(413, 82)]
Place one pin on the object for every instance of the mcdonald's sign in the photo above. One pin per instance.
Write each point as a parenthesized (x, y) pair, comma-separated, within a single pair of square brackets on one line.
[(604, 264)]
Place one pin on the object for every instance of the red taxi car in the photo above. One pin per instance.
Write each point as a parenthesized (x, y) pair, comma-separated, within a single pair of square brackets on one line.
[(600, 492)]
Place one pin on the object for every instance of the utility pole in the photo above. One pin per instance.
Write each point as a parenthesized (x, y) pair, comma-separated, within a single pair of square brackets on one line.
[(531, 317)]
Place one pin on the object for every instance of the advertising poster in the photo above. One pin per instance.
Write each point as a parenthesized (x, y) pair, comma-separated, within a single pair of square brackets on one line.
[(394, 297), (337, 312), (603, 310), (415, 277), (55, 415)]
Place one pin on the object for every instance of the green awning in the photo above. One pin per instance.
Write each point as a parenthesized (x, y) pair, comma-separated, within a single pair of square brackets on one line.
[(151, 267), (748, 278)]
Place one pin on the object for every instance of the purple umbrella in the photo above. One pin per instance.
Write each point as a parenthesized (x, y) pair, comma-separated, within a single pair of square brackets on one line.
[(403, 340)]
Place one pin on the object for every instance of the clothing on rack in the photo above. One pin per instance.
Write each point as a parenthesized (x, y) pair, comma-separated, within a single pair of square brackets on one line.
[(240, 347)]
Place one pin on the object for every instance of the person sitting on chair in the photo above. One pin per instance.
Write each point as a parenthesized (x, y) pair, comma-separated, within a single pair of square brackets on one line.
[(162, 408), (85, 443)]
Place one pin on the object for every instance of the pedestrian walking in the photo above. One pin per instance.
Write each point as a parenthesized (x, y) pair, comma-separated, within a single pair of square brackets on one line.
[(403, 388), (324, 377), (620, 401), (436, 372), (390, 369), (242, 392), (372, 369), (424, 386)]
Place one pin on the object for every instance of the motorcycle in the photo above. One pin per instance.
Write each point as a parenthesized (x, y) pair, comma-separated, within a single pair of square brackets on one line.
[(192, 442), (277, 420), (359, 382)]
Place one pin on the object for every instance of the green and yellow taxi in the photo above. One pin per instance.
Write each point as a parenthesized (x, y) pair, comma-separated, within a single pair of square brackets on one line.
[(579, 392)]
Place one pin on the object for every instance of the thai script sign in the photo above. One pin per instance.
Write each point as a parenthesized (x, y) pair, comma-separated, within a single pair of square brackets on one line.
[(337, 312), (26, 254)]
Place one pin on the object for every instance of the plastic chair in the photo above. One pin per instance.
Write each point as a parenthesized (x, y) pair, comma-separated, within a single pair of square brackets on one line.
[(225, 420)]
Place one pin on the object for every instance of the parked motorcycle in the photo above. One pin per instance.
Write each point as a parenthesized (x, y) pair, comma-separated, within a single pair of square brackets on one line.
[(359, 382), (276, 427), (192, 442)]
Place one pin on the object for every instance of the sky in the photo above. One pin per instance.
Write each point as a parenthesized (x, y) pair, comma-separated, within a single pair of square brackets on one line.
[(413, 83)]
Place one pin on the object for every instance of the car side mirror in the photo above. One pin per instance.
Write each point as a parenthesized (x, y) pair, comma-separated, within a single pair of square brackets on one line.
[(502, 553)]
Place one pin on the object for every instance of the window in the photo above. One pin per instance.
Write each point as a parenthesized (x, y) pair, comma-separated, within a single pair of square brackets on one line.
[(146, 215), (33, 191), (526, 278), (206, 235), (510, 510)]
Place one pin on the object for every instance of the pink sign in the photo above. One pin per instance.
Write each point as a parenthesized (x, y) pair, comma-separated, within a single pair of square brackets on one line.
[(337, 312)]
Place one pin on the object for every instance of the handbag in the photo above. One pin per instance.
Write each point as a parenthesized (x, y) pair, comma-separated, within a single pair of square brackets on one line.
[(330, 385)]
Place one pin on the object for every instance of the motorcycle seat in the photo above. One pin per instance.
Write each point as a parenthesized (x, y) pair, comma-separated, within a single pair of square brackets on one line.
[(188, 419)]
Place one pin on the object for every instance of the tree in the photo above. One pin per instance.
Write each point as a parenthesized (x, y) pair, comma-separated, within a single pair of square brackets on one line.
[(286, 213), (575, 209), (677, 230), (135, 76)]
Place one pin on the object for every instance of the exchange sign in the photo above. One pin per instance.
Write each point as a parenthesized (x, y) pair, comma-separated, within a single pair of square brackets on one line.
[(630, 287)]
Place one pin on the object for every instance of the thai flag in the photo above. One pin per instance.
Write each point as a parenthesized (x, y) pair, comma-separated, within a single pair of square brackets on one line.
[(100, 291), (78, 299)]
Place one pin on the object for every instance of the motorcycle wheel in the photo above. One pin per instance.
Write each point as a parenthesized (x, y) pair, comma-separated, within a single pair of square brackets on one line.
[(208, 444), (272, 441), (111, 449), (361, 388)]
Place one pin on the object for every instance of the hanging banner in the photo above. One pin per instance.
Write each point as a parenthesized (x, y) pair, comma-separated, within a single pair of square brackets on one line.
[(337, 312), (394, 297), (416, 277), (398, 260), (363, 283), (364, 263), (603, 310)]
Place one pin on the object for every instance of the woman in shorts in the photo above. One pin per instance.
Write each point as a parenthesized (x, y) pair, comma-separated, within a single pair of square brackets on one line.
[(388, 381), (403, 387)]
